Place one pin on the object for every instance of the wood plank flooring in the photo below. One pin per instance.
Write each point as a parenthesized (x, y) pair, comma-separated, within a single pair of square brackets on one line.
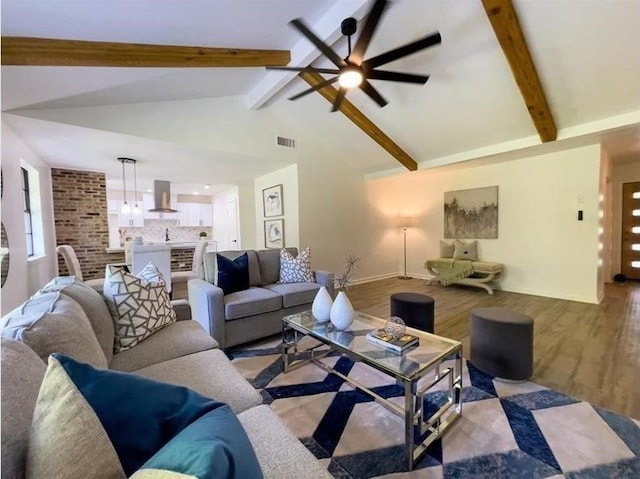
[(588, 351)]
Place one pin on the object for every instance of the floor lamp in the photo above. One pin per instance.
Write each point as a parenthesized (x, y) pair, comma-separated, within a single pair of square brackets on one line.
[(404, 223)]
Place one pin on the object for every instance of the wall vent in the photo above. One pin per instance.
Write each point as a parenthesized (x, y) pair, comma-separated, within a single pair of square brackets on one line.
[(286, 142)]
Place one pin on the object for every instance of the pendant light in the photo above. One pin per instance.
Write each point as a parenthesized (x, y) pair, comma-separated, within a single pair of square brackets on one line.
[(136, 208), (125, 206)]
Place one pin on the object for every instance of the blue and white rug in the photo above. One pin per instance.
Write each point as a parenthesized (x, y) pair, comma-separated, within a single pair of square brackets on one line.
[(506, 430)]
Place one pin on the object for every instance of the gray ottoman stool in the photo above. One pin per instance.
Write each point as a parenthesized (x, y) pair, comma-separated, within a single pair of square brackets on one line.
[(502, 343), (416, 310)]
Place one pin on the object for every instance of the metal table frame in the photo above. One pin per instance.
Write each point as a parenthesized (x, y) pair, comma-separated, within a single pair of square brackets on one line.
[(413, 412)]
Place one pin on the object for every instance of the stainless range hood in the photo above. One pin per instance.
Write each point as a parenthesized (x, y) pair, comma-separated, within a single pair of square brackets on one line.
[(162, 197)]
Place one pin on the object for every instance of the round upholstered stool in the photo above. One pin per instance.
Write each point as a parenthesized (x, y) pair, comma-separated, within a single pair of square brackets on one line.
[(502, 343), (416, 310)]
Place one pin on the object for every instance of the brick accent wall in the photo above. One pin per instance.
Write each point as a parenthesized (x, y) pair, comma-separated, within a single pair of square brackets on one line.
[(80, 214), (181, 256)]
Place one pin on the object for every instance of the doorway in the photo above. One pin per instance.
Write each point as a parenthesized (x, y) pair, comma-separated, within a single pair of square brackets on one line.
[(231, 216), (630, 246)]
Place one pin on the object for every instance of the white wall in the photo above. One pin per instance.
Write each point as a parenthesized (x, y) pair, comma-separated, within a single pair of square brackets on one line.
[(247, 217), (546, 251), (24, 277), (623, 172), (288, 178)]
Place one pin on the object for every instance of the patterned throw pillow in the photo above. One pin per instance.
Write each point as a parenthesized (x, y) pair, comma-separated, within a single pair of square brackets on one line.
[(295, 270), (139, 305)]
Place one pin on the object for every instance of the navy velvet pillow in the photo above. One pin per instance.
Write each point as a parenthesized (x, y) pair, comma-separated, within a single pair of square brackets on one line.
[(213, 447), (233, 275), (138, 414)]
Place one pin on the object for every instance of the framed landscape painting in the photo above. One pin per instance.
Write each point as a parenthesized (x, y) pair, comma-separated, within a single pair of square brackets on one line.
[(471, 213), (272, 201), (274, 233)]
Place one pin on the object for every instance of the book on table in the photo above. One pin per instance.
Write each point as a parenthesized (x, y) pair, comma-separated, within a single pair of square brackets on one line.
[(382, 338)]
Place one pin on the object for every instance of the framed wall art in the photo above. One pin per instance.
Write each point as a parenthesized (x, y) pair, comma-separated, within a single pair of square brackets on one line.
[(272, 201), (274, 233), (471, 213)]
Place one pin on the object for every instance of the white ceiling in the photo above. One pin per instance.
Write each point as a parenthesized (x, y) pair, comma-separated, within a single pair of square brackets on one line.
[(196, 126)]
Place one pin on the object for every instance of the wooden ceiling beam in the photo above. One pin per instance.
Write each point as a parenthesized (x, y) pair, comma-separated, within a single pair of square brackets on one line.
[(506, 26), (361, 121), (52, 52)]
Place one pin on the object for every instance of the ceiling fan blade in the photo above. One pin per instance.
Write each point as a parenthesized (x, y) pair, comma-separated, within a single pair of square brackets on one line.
[(367, 87), (323, 47), (314, 88), (367, 32), (337, 103), (403, 51), (329, 71), (71, 53), (397, 76)]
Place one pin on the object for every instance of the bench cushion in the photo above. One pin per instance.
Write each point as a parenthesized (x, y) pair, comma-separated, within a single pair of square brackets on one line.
[(487, 267)]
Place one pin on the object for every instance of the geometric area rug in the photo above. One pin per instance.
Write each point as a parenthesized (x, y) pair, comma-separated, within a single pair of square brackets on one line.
[(506, 430)]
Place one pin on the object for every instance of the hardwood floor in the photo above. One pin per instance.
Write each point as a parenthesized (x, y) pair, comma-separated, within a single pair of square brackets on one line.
[(588, 351)]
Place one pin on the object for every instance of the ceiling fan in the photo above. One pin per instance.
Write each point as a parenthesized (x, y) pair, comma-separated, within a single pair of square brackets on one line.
[(353, 71)]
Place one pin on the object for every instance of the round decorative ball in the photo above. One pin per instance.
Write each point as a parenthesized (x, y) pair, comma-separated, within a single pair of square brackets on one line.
[(395, 327)]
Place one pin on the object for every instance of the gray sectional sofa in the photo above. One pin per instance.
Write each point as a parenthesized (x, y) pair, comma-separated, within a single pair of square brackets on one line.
[(77, 323), (256, 312)]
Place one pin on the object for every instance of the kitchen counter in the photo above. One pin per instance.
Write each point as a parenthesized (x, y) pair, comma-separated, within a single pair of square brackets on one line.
[(174, 245)]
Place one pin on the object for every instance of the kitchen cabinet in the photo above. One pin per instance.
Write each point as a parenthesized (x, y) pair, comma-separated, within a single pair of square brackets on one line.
[(195, 214), (148, 204)]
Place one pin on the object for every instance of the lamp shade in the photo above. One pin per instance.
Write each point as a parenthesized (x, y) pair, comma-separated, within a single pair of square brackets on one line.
[(406, 221)]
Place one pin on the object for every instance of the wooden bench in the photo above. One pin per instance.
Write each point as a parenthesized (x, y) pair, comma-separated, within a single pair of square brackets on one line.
[(480, 274)]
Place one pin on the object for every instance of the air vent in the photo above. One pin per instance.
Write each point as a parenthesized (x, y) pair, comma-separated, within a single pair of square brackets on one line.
[(286, 142)]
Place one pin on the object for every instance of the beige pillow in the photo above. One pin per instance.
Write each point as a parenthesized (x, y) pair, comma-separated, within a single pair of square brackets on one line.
[(54, 323), (446, 249), (67, 438), (467, 250)]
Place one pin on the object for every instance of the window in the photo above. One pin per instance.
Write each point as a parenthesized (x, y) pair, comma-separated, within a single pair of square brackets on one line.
[(28, 223)]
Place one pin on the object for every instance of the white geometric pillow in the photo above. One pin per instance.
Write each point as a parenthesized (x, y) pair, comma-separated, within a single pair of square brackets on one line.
[(139, 305), (295, 270)]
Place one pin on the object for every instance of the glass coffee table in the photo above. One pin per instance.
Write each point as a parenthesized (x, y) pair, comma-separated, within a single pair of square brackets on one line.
[(408, 368)]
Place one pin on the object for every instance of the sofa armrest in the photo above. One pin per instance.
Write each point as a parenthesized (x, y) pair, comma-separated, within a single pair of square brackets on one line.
[(183, 309), (325, 278), (207, 307)]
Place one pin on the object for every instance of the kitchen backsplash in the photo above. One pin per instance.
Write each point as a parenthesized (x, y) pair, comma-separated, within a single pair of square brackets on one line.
[(154, 231)]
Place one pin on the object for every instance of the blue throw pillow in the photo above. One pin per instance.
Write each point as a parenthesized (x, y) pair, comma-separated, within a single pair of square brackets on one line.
[(138, 414), (233, 275), (213, 447)]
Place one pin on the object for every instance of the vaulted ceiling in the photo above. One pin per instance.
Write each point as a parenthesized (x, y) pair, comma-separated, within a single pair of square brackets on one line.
[(219, 125)]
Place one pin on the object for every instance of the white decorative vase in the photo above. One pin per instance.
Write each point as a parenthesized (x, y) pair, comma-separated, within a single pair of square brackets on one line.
[(341, 312), (321, 307)]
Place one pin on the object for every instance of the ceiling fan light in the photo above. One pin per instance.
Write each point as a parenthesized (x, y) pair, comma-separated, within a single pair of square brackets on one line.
[(350, 78)]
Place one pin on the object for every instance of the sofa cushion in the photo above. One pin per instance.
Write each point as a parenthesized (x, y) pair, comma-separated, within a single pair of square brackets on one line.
[(160, 474), (93, 305), (67, 438), (209, 373), (54, 323), (233, 274), (294, 294), (269, 260), (250, 302), (147, 415), (468, 250), (176, 340), (139, 305), (295, 269), (213, 446), (22, 373), (285, 458)]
